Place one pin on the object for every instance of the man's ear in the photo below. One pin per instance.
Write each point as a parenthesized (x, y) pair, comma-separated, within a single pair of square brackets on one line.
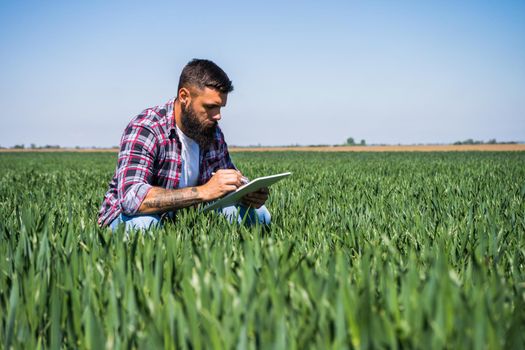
[(184, 96)]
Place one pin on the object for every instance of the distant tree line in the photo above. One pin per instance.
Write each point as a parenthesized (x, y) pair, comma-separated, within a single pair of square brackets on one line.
[(33, 146), (351, 142), (479, 142)]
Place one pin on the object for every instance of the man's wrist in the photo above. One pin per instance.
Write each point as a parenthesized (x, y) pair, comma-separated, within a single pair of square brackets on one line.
[(202, 194)]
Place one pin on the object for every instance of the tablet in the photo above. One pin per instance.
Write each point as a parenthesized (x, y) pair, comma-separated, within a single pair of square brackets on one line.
[(252, 186)]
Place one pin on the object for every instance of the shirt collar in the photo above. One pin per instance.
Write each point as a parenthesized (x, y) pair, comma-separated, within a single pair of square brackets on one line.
[(170, 116)]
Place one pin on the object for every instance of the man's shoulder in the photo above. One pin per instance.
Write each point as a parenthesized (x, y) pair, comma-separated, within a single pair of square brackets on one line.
[(154, 118)]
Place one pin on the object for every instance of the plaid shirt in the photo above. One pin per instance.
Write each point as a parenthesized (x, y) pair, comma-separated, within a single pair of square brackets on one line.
[(150, 155)]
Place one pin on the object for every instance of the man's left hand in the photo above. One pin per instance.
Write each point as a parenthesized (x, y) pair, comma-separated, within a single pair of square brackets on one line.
[(256, 199)]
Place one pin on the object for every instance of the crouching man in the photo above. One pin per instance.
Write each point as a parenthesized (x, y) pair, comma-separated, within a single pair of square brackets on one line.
[(174, 156)]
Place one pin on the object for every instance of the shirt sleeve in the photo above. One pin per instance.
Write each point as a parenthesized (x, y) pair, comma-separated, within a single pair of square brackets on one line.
[(214, 158), (135, 166), (228, 160)]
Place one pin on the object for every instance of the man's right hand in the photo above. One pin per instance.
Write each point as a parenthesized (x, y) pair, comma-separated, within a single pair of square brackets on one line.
[(224, 181)]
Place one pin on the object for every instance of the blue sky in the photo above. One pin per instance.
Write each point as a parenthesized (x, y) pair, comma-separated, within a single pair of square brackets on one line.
[(305, 72)]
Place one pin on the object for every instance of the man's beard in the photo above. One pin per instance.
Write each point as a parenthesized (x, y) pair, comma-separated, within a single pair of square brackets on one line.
[(194, 129)]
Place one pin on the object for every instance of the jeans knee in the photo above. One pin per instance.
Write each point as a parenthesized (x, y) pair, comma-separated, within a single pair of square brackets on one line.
[(264, 216), (139, 222), (248, 216)]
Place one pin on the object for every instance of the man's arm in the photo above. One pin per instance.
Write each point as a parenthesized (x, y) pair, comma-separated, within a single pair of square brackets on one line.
[(255, 199), (138, 148), (160, 200)]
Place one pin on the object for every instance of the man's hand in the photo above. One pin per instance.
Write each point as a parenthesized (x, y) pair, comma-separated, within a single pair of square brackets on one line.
[(224, 181), (256, 199)]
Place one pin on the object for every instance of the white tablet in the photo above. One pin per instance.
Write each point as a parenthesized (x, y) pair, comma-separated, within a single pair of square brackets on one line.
[(252, 186)]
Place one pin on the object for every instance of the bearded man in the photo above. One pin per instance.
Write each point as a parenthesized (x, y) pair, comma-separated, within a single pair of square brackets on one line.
[(174, 156)]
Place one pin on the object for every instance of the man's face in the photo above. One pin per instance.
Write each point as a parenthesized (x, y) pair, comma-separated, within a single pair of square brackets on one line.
[(202, 113)]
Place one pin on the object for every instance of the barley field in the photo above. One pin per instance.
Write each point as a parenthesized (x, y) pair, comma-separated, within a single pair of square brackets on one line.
[(366, 250)]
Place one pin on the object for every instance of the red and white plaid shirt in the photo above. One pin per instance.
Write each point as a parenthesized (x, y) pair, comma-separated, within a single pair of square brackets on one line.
[(150, 155)]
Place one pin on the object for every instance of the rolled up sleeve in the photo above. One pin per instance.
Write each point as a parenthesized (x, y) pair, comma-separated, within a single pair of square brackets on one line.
[(135, 169)]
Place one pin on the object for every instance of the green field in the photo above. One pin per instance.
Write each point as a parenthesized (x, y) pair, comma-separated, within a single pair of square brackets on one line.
[(376, 250)]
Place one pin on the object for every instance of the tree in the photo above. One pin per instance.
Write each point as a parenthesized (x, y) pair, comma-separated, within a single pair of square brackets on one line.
[(363, 142), (350, 141)]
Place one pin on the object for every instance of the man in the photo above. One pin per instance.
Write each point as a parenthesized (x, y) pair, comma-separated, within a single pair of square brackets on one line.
[(174, 156)]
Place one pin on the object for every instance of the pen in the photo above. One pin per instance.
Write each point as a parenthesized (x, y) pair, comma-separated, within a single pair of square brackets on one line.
[(244, 179)]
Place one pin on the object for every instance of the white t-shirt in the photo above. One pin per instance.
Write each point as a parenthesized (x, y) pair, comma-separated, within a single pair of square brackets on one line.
[(190, 161)]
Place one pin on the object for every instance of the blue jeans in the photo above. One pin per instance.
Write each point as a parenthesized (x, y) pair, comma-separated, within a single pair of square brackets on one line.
[(234, 213)]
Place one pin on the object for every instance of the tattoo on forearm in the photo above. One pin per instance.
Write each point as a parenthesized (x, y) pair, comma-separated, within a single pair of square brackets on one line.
[(175, 199)]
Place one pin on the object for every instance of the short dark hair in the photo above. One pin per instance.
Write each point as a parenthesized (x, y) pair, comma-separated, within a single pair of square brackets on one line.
[(204, 73)]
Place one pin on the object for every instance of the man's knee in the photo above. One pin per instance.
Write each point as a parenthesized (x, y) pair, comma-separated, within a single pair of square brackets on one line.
[(248, 216), (264, 216), (139, 222)]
